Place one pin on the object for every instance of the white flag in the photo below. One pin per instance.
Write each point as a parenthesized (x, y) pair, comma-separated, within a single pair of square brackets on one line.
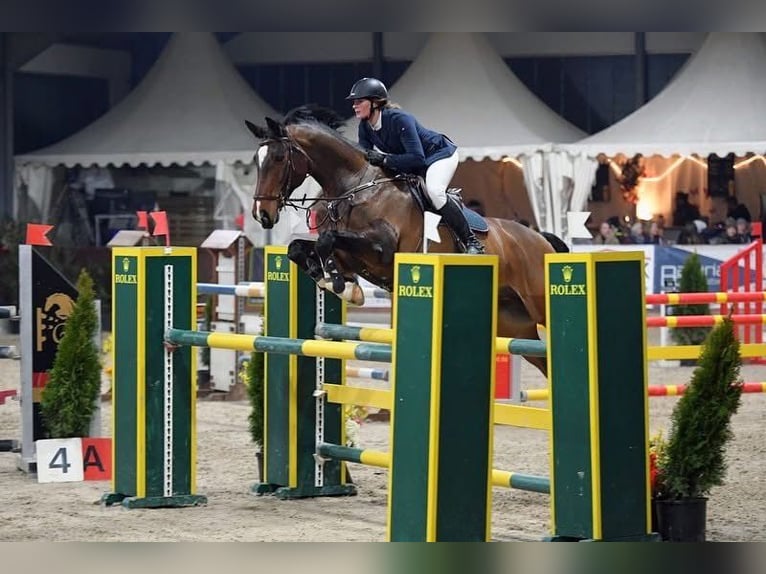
[(576, 224), (430, 228)]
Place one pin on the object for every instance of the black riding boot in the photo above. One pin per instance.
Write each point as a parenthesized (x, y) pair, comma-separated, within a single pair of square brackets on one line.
[(453, 216)]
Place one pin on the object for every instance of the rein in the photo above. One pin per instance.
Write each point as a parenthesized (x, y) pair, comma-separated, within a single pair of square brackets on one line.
[(283, 199)]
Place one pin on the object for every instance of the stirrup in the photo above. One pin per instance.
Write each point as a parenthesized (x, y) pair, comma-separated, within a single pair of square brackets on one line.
[(474, 247)]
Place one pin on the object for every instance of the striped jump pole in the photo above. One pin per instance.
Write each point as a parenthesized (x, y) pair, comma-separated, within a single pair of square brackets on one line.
[(502, 478), (154, 387), (503, 345), (673, 390), (244, 290), (367, 373), (705, 298), (703, 320), (654, 391)]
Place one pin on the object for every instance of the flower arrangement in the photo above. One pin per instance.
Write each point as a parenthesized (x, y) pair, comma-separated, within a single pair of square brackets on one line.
[(355, 416), (632, 171)]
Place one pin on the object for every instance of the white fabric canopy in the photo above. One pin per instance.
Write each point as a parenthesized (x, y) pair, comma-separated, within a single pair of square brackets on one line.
[(459, 85), (189, 109), (715, 104)]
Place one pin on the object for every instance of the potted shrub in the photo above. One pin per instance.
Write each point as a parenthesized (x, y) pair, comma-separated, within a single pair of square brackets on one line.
[(253, 375), (70, 396), (693, 459), (692, 281)]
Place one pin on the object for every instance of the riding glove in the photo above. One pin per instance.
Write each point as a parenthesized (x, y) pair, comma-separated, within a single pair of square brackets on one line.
[(376, 158)]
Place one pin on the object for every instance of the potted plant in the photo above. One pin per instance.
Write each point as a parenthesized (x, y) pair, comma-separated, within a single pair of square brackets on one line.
[(693, 460), (692, 281), (253, 375), (70, 396)]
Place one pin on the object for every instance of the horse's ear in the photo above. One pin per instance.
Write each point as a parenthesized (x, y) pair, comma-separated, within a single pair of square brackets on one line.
[(259, 132), (277, 129)]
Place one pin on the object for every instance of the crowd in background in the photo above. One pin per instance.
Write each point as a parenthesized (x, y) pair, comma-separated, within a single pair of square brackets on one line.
[(689, 227)]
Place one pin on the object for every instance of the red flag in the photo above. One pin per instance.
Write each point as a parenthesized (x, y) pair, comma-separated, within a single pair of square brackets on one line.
[(36, 234), (161, 225), (143, 221)]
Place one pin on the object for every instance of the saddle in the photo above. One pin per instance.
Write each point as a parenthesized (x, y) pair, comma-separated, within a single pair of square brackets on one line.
[(417, 187)]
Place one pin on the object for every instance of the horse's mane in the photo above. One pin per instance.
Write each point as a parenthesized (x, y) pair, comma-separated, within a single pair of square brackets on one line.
[(320, 117), (314, 113)]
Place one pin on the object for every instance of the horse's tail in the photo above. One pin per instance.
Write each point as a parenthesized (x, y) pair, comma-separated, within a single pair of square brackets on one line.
[(557, 243)]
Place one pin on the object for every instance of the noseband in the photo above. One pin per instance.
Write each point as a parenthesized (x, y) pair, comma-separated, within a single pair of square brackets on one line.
[(286, 185)]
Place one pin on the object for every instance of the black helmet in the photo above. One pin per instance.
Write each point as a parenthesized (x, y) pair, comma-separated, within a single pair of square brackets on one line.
[(368, 88)]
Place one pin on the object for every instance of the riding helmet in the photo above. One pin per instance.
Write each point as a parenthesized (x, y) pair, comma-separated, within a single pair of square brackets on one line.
[(371, 88)]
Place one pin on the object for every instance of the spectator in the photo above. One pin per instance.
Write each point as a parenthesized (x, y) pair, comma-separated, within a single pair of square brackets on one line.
[(606, 235), (639, 233), (690, 234), (743, 230), (736, 209), (656, 232), (684, 212), (730, 233)]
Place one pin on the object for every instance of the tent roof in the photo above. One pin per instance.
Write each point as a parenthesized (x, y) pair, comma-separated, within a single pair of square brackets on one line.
[(190, 108), (715, 104), (460, 86)]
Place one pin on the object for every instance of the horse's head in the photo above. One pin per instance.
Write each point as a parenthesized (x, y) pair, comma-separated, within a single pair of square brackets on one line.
[(282, 167)]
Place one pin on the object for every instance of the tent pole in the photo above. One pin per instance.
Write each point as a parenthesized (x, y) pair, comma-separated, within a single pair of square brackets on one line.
[(640, 57), (6, 127), (377, 54)]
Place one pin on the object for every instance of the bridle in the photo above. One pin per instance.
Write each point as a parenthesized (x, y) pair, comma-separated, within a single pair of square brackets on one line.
[(286, 184)]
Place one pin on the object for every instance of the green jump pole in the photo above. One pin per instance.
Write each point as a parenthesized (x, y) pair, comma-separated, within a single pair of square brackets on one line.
[(296, 418), (154, 443), (444, 319), (598, 396)]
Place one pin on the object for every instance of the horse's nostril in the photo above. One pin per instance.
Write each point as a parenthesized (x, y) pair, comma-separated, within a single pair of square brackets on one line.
[(265, 218)]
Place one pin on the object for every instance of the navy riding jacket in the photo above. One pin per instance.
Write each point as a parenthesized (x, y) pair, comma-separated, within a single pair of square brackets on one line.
[(411, 148)]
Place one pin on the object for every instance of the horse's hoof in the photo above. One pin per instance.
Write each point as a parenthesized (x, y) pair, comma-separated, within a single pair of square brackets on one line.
[(322, 283), (354, 294)]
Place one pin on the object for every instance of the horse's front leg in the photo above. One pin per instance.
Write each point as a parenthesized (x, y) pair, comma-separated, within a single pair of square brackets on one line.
[(353, 248), (303, 253)]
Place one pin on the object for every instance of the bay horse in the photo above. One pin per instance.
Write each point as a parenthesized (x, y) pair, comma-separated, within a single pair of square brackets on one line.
[(366, 214)]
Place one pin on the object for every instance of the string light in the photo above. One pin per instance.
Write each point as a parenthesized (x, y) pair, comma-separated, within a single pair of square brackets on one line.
[(513, 160)]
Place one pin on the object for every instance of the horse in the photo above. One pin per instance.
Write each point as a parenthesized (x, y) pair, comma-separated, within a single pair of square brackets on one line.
[(366, 214)]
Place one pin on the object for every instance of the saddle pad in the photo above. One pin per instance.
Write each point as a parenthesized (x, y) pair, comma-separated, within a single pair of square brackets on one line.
[(476, 221)]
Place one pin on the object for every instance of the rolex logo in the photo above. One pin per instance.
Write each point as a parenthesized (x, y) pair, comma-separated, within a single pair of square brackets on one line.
[(125, 264), (568, 288), (415, 273), (278, 262)]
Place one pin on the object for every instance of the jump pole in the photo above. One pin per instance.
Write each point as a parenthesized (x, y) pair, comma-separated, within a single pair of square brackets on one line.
[(154, 443)]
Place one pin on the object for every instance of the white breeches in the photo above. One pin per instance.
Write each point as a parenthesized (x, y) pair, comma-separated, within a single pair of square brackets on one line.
[(438, 177)]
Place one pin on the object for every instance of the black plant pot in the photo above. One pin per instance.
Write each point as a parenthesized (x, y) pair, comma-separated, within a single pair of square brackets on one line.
[(682, 520)]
